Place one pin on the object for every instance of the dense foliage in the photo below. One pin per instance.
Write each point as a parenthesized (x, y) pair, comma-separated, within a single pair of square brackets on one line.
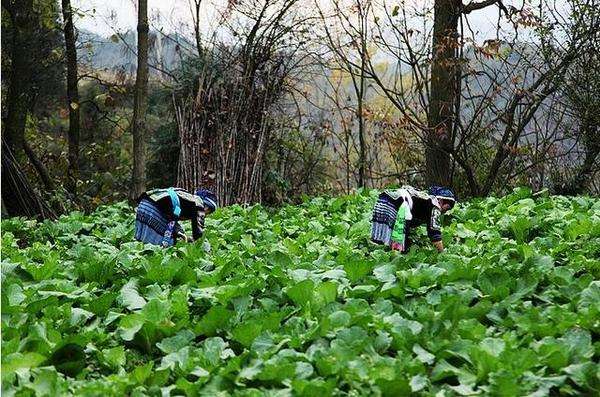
[(298, 301)]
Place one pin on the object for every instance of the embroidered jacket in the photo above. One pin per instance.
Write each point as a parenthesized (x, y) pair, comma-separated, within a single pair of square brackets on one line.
[(421, 209), (192, 207)]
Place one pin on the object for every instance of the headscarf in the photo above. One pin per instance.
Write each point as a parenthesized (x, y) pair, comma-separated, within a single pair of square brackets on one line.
[(209, 198), (443, 193)]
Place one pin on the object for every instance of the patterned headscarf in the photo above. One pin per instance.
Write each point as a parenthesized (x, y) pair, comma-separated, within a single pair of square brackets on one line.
[(209, 198), (444, 193)]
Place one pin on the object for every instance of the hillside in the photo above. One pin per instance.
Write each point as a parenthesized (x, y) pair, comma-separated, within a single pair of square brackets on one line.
[(118, 53), (297, 301)]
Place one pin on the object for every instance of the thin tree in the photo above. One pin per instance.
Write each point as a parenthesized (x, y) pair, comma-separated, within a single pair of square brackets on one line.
[(360, 89), (350, 55), (195, 11), (138, 124), (72, 96)]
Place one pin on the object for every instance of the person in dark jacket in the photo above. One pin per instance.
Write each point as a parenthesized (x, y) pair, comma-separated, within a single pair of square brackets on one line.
[(160, 210), (398, 211)]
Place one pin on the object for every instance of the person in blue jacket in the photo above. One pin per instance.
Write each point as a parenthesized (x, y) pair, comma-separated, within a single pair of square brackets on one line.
[(398, 211), (160, 210)]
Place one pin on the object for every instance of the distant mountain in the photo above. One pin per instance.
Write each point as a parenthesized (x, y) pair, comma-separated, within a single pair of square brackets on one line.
[(517, 68), (117, 53)]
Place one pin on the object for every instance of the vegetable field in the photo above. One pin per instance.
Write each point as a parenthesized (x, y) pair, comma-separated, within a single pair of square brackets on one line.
[(297, 301)]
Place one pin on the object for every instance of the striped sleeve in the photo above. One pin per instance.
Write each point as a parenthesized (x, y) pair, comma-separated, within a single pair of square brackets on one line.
[(434, 226)]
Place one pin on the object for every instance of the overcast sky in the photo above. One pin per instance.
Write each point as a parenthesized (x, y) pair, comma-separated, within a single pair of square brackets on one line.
[(104, 16)]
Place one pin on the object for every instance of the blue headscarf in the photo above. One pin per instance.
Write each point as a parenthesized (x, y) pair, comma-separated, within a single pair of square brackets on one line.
[(209, 198), (444, 193)]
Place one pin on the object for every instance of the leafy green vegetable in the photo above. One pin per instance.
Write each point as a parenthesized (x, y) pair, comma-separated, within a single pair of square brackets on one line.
[(297, 301)]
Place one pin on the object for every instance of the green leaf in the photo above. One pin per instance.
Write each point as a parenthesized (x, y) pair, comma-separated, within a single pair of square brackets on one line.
[(141, 373), (495, 282), (521, 228), (130, 298), (326, 292), (400, 324), (16, 361), (493, 346), (161, 270), (590, 297), (102, 304), (216, 349), (79, 316), (464, 390), (177, 342), (247, 332), (281, 259), (579, 344), (553, 353), (301, 293), (385, 273), (356, 270), (200, 372), (215, 319), (156, 311), (47, 382), (423, 355), (382, 342), (313, 387), (130, 325), (505, 383), (178, 359), (444, 370), (250, 372), (114, 357), (303, 370), (188, 388), (584, 374), (262, 344), (339, 319), (418, 383), (15, 294)]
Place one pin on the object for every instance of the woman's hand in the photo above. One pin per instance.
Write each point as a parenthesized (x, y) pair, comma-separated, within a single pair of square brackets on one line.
[(184, 237), (439, 245)]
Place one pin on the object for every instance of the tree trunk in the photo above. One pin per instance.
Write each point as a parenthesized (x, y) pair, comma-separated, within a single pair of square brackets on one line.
[(140, 103), (445, 84), (18, 196), (19, 96), (361, 145), (361, 119), (196, 21), (72, 97)]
